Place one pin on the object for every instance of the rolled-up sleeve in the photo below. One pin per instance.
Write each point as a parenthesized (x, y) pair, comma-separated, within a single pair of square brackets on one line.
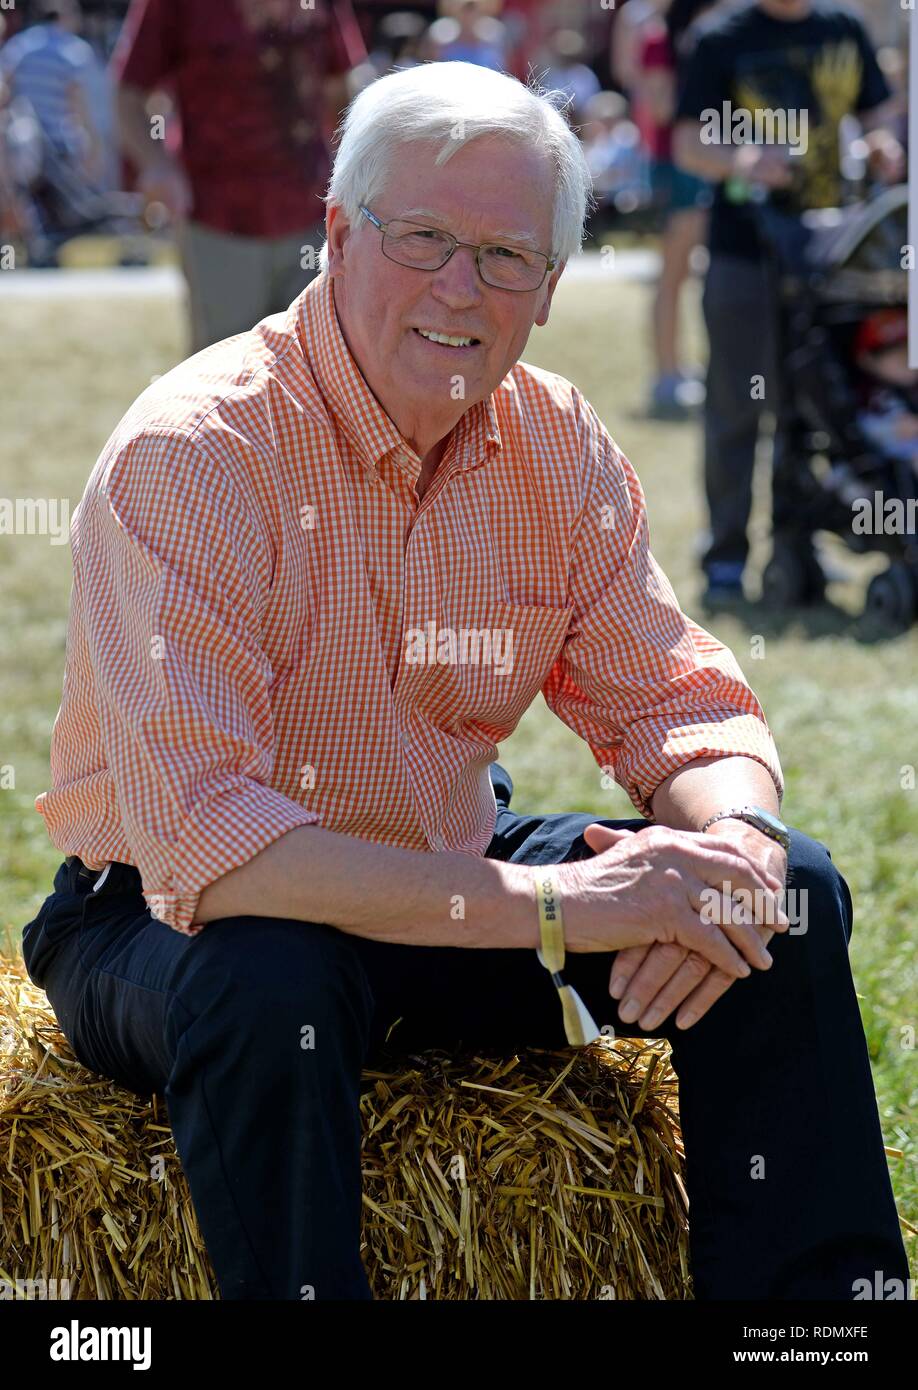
[(173, 569), (642, 684)]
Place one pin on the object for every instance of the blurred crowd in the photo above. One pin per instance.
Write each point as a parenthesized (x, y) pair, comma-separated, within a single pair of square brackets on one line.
[(212, 123), (63, 63), (64, 66)]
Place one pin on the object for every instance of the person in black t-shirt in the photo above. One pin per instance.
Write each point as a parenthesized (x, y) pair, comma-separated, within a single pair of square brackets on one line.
[(761, 103)]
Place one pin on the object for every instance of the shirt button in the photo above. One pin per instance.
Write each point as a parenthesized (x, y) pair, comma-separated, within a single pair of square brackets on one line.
[(406, 739), (437, 842)]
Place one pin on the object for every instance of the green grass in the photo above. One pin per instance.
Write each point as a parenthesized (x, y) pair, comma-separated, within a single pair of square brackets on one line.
[(843, 707)]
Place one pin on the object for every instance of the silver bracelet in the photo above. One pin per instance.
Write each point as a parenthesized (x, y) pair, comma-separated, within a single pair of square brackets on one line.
[(721, 815)]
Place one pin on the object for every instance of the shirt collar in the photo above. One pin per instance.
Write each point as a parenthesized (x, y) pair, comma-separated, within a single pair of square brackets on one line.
[(475, 437)]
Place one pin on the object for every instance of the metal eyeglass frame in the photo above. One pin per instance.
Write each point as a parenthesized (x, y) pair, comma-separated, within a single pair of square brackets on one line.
[(550, 261)]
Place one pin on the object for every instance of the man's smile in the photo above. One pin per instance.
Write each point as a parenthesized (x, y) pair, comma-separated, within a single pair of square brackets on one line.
[(449, 343)]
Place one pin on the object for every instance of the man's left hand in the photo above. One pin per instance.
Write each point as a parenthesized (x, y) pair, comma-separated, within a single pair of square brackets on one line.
[(658, 979)]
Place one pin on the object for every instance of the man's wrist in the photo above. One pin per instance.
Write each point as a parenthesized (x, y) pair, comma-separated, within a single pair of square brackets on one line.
[(580, 1027), (769, 825), (740, 830), (730, 825), (516, 922)]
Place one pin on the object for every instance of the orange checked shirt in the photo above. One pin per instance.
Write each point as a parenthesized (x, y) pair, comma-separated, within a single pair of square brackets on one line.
[(268, 630)]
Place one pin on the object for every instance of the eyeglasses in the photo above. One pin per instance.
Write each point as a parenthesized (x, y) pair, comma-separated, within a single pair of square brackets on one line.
[(427, 248)]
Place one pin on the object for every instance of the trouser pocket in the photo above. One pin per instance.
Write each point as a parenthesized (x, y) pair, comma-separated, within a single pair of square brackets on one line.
[(51, 952), (57, 922)]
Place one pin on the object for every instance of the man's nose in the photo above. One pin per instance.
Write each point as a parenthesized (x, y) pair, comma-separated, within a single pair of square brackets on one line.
[(459, 277)]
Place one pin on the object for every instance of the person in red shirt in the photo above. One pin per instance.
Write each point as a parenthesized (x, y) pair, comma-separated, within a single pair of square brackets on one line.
[(257, 86)]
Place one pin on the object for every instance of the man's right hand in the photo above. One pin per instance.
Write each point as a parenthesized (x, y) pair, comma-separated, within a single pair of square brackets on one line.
[(654, 885)]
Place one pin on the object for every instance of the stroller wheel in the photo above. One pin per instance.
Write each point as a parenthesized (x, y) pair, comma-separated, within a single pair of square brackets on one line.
[(792, 576), (891, 598)]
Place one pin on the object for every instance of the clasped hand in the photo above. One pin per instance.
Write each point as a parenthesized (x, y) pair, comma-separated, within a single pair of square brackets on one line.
[(687, 912)]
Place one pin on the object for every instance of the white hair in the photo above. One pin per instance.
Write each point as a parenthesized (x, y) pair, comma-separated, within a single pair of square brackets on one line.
[(447, 105)]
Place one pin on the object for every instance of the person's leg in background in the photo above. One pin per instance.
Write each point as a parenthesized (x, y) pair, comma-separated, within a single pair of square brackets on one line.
[(790, 453), (675, 392), (294, 263), (235, 281), (737, 314), (228, 279), (255, 1032)]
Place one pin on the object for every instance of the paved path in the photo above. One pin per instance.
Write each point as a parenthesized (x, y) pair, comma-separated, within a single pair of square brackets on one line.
[(134, 281)]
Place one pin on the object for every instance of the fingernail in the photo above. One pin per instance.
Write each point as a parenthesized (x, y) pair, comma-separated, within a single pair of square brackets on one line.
[(686, 1021), (617, 987), (766, 959), (629, 1010), (745, 968), (652, 1019)]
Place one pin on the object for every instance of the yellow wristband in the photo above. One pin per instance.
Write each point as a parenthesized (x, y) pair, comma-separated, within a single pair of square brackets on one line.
[(551, 921), (579, 1027)]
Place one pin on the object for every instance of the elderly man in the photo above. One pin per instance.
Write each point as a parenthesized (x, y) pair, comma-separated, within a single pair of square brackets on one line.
[(273, 773)]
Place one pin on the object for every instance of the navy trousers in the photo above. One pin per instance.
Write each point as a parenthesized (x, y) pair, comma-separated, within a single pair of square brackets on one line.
[(256, 1032)]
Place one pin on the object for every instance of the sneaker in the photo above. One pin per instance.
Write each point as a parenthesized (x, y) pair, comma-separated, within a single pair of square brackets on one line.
[(725, 585), (675, 397), (691, 390)]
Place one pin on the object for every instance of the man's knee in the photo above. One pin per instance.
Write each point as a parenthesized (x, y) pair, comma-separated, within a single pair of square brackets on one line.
[(817, 895), (269, 973)]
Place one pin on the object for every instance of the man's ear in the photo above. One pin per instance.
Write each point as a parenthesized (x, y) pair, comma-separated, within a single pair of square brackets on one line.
[(337, 231), (542, 316)]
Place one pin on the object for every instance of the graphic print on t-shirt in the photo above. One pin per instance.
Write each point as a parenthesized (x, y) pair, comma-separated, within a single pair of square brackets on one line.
[(793, 80), (823, 87)]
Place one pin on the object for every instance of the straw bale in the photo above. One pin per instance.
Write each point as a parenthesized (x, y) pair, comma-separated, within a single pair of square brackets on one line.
[(538, 1176)]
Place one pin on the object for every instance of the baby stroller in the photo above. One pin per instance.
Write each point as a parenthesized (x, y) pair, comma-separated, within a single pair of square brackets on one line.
[(832, 268)]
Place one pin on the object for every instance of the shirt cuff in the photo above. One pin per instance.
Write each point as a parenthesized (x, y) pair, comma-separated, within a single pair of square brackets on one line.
[(223, 833), (641, 771)]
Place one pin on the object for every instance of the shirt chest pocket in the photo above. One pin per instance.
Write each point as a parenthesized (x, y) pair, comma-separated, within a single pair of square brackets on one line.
[(487, 670)]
